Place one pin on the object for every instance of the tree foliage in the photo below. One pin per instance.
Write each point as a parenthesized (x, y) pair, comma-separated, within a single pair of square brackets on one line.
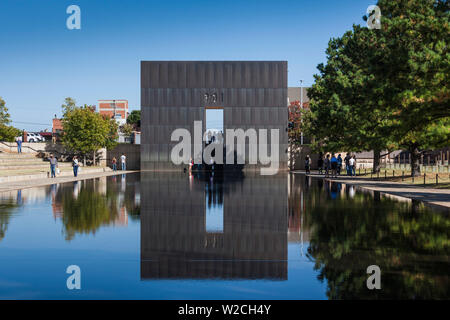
[(134, 118), (126, 129), (295, 123), (86, 131), (386, 88), (7, 133), (68, 105)]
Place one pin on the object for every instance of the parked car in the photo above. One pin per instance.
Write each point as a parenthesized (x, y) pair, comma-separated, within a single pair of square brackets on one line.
[(46, 136), (34, 137)]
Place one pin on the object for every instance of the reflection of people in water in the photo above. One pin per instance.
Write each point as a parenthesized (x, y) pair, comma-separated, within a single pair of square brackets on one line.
[(86, 206), (76, 189), (335, 190), (320, 184), (123, 183), (19, 197), (307, 182), (351, 191)]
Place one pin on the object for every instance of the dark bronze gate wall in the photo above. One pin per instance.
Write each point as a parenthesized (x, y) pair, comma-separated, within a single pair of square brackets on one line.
[(176, 245), (174, 94)]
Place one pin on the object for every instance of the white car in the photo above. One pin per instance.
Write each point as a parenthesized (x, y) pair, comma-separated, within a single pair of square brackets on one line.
[(34, 137)]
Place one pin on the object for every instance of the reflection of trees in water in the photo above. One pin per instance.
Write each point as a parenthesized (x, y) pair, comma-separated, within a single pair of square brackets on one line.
[(129, 202), (87, 209), (7, 207), (408, 242)]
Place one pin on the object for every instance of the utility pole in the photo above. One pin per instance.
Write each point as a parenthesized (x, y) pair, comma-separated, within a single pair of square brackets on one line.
[(114, 106)]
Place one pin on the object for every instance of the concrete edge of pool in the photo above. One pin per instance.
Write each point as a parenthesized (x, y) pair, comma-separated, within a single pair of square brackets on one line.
[(435, 197), (439, 198), (25, 184)]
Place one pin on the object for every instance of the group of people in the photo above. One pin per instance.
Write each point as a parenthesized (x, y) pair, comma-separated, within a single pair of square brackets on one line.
[(76, 164), (54, 166), (333, 165), (123, 162)]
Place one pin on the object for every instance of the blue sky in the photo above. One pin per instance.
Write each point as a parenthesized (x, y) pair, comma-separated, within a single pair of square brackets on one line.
[(42, 62)]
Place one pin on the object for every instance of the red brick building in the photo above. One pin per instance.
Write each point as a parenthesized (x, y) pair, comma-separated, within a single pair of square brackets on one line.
[(117, 109), (57, 129)]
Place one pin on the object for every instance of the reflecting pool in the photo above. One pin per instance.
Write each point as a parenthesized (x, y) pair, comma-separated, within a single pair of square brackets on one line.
[(175, 236)]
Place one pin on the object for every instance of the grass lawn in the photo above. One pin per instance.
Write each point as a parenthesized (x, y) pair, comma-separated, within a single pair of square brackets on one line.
[(403, 176)]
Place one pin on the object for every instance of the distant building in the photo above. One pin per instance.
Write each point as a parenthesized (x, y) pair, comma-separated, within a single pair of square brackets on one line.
[(295, 94), (299, 94), (114, 109), (57, 129)]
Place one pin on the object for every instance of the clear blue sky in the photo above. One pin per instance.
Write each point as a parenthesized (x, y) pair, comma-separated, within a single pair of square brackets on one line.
[(42, 62)]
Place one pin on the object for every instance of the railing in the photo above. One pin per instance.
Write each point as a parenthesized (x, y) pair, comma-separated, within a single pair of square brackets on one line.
[(426, 178), (12, 146), (425, 168)]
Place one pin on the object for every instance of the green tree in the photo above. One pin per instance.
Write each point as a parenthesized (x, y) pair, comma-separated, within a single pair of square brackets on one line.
[(7, 132), (68, 105), (126, 129), (387, 88), (345, 105), (7, 208), (112, 136), (415, 63), (134, 118), (4, 114), (86, 131)]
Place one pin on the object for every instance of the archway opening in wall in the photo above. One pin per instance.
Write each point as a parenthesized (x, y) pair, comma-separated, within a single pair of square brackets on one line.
[(213, 124), (214, 138), (214, 133)]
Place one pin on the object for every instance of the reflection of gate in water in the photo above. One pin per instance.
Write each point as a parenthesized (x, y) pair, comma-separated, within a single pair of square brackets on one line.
[(175, 242)]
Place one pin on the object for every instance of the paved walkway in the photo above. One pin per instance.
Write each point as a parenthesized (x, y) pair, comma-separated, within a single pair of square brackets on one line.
[(440, 197), (10, 186)]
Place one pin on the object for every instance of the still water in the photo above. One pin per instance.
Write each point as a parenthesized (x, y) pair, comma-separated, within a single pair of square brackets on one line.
[(174, 236)]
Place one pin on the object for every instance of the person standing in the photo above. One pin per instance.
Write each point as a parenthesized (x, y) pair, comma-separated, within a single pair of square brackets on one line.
[(339, 164), (75, 165), (320, 163), (327, 165), (191, 165), (19, 144), (347, 164), (334, 163), (351, 163), (53, 165), (307, 164), (354, 166), (114, 164), (123, 160)]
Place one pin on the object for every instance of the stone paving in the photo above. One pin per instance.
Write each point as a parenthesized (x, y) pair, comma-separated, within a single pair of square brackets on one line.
[(440, 197)]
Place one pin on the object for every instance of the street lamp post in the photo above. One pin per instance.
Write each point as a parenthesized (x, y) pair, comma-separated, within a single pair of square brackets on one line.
[(301, 108)]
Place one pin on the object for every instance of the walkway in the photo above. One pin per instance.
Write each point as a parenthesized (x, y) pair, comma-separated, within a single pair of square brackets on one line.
[(16, 185), (440, 197)]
